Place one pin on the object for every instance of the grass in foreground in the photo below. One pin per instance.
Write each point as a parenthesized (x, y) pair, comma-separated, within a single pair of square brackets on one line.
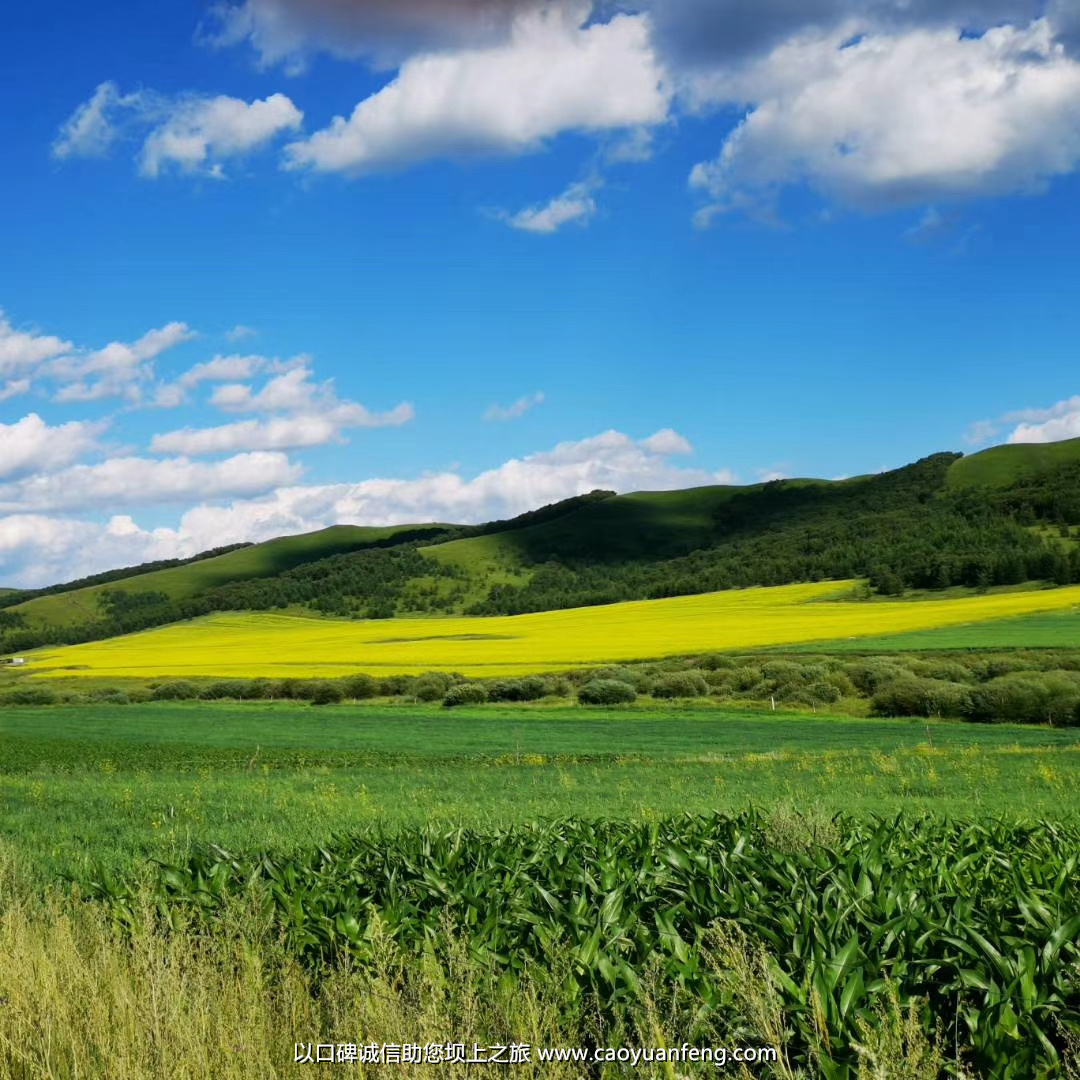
[(276, 646), (117, 786)]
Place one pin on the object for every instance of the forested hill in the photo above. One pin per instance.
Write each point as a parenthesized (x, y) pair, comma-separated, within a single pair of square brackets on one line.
[(1006, 516)]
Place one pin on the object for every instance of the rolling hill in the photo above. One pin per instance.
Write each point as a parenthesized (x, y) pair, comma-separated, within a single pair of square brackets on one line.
[(1005, 516)]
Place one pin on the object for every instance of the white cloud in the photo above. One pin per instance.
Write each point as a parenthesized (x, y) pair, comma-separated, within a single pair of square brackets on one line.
[(223, 369), (96, 124), (667, 443), (133, 481), (119, 369), (1060, 421), (37, 550), (280, 433), (315, 415), (518, 408), (1051, 424), (239, 332), (202, 131), (555, 74), (192, 132), (14, 388), (575, 204), (23, 351), (31, 446), (891, 119)]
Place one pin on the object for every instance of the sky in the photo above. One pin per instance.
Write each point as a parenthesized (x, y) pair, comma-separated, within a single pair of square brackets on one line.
[(271, 265)]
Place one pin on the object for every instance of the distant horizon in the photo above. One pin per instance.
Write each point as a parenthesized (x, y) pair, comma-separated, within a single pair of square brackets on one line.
[(274, 265)]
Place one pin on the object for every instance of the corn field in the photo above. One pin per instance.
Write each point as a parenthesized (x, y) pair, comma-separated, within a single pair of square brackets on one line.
[(976, 927)]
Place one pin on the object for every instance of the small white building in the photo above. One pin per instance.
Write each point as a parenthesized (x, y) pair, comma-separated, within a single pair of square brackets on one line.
[(13, 660)]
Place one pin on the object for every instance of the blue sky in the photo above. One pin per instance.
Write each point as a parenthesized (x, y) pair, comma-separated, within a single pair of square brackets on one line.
[(544, 247)]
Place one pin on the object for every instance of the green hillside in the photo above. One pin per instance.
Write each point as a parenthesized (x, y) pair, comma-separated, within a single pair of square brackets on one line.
[(1001, 466), (256, 561), (936, 524)]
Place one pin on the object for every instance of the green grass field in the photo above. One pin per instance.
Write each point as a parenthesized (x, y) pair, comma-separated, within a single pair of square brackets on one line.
[(120, 786), (1045, 631), (1002, 465)]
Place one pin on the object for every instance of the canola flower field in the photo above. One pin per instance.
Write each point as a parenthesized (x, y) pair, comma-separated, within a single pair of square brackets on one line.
[(260, 645)]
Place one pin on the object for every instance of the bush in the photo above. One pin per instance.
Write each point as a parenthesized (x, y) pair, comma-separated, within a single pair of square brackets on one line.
[(326, 693), (108, 695), (911, 696), (746, 678), (176, 691), (396, 686), (358, 687), (946, 670), (606, 692), (1026, 697), (716, 662), (531, 688), (466, 693), (30, 695), (680, 684), (234, 689), (431, 686), (869, 676)]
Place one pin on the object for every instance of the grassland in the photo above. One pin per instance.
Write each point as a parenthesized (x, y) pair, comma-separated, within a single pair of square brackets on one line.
[(115, 786), (94, 793), (274, 646), (1000, 466), (1055, 630), (258, 560)]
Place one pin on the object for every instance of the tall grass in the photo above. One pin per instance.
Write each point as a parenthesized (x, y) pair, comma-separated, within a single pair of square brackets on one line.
[(82, 998)]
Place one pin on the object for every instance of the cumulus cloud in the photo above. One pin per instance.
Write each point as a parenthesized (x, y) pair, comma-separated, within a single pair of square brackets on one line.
[(555, 73), (1060, 421), (134, 481), (36, 549), (314, 414), (24, 351), (119, 369), (192, 133), (513, 411), (239, 332), (575, 204), (1033, 425), (201, 132), (31, 445), (889, 119)]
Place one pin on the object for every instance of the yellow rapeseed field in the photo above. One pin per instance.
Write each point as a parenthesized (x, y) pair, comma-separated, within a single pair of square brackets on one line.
[(278, 646)]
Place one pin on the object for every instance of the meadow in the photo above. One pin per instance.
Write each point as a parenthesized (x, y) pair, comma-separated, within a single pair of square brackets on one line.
[(312, 802), (278, 646)]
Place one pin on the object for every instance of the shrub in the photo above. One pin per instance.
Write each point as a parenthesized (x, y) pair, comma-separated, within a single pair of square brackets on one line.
[(1026, 697), (870, 675), (947, 670), (911, 696), (746, 678), (680, 684), (108, 695), (716, 662), (176, 691), (358, 687), (531, 688), (606, 692), (324, 692), (30, 695), (226, 688), (431, 686), (396, 685), (465, 693)]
